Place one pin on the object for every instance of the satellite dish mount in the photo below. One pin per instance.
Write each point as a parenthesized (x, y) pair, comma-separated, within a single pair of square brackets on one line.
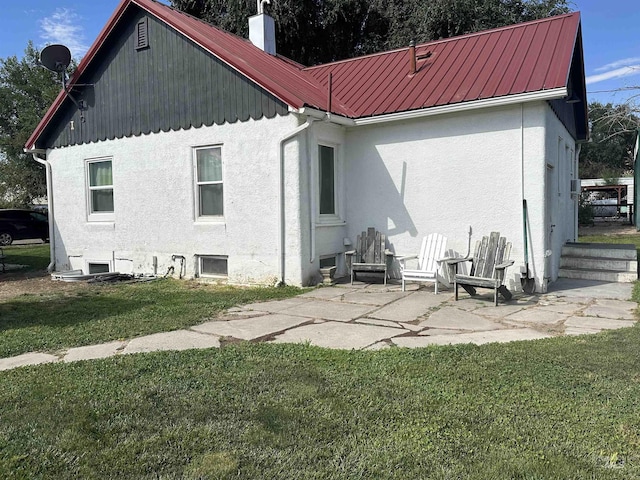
[(57, 58)]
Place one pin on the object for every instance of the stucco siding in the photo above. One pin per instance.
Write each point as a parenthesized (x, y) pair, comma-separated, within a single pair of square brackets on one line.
[(446, 173), (438, 174), (561, 210), (155, 207), (328, 231)]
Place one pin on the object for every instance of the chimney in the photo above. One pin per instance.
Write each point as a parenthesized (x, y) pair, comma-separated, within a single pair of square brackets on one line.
[(262, 30)]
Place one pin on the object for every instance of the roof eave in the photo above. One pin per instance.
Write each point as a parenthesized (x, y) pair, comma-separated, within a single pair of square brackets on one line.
[(322, 115), (543, 95)]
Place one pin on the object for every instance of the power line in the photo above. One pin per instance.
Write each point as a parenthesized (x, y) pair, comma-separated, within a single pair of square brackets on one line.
[(621, 89)]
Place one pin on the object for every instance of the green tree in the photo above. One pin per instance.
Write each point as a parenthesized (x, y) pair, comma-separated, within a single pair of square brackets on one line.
[(320, 31), (448, 18), (609, 154), (26, 91)]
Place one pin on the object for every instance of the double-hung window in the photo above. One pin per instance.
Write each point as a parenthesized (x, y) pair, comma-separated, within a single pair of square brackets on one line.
[(327, 175), (209, 188), (100, 185)]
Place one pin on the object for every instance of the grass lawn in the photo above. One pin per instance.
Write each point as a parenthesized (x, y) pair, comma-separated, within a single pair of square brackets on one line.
[(560, 408), (65, 315), (611, 238), (36, 256), (563, 408)]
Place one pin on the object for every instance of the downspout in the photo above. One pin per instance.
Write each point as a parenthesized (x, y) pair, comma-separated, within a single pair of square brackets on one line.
[(576, 169), (312, 203), (44, 162), (282, 229), (522, 148)]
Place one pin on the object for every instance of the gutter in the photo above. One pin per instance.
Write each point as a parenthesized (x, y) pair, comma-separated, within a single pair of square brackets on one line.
[(552, 94), (322, 115), (52, 243)]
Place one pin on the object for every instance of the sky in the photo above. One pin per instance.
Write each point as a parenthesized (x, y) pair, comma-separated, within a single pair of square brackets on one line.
[(609, 30)]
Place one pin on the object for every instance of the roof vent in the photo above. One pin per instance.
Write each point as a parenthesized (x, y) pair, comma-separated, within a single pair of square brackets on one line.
[(262, 30), (412, 58), (142, 34)]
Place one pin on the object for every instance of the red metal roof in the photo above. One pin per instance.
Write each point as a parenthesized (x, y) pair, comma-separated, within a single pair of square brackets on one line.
[(521, 58)]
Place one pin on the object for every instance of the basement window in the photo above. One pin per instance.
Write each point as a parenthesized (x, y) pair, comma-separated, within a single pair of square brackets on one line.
[(98, 268), (142, 34), (212, 266), (328, 261)]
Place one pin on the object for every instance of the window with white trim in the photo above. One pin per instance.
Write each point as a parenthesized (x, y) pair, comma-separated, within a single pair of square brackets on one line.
[(327, 178), (98, 267), (212, 266), (209, 185), (100, 189)]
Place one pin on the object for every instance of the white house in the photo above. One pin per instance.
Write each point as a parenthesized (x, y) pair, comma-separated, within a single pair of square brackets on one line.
[(198, 150)]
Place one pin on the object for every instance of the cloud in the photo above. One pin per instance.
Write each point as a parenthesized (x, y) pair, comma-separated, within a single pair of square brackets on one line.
[(63, 26), (626, 71), (625, 62)]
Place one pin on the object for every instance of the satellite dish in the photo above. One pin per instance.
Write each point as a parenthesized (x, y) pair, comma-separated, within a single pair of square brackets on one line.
[(55, 58)]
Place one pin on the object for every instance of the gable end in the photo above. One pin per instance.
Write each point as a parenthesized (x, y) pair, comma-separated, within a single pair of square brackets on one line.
[(169, 84)]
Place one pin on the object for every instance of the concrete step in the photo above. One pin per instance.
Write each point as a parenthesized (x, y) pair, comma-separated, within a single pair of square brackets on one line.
[(601, 275), (598, 263), (622, 251)]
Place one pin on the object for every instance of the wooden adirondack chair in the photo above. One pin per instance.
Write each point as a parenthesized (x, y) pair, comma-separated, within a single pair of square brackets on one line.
[(431, 256), (488, 265), (370, 254)]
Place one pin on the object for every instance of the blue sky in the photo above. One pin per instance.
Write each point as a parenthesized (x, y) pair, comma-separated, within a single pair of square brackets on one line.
[(609, 28)]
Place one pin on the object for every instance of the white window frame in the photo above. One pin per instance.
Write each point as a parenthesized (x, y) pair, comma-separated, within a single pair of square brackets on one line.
[(91, 215), (89, 262), (336, 217), (212, 275), (197, 184)]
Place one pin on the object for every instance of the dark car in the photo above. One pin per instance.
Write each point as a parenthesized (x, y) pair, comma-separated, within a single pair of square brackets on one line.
[(16, 224)]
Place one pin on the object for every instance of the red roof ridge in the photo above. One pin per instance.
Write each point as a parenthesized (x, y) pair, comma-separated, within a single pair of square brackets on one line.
[(504, 27), (445, 40), (369, 55)]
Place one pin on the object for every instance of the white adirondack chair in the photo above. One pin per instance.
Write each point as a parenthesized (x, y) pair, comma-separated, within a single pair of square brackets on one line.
[(431, 255)]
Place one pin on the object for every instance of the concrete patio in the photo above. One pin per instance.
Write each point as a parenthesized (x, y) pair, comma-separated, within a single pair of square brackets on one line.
[(374, 316)]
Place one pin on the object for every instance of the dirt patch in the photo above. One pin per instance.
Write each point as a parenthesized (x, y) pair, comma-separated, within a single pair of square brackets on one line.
[(608, 228), (14, 284)]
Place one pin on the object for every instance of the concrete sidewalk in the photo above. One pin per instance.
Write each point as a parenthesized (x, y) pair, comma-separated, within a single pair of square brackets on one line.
[(373, 316)]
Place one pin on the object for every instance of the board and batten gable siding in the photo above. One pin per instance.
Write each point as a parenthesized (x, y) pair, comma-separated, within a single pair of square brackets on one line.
[(172, 84), (570, 114)]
